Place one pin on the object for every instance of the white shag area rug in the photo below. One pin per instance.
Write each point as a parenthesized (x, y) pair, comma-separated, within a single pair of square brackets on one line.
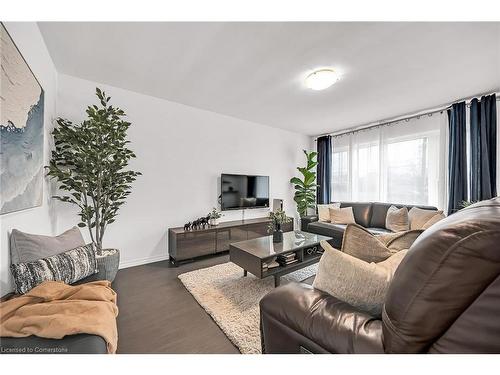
[(233, 300)]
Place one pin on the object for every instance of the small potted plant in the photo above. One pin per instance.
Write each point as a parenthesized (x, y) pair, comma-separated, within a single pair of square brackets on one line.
[(278, 218), (89, 163), (215, 215)]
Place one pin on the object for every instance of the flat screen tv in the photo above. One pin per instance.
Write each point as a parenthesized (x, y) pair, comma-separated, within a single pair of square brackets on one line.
[(243, 191)]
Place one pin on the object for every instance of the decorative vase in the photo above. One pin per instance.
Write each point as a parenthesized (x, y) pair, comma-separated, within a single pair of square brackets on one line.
[(108, 264), (213, 222), (277, 234)]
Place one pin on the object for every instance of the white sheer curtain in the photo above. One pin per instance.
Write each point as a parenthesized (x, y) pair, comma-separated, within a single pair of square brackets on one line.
[(399, 163)]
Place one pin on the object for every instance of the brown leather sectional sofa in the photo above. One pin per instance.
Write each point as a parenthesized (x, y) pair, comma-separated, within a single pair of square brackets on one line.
[(444, 298)]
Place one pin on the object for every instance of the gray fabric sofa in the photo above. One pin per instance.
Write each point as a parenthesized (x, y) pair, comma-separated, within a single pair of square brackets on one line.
[(370, 215), (25, 247)]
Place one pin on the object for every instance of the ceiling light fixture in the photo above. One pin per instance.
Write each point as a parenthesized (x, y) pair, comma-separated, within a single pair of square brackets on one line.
[(321, 79)]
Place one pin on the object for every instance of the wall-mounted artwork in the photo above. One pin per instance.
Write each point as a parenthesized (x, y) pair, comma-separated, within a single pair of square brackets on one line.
[(21, 131)]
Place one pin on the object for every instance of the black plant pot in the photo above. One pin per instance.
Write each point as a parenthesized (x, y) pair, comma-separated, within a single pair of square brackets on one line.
[(277, 234)]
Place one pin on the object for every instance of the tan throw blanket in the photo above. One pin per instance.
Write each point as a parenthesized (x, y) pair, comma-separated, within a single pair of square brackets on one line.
[(54, 310)]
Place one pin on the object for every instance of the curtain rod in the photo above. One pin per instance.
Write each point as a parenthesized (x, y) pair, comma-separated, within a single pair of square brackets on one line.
[(406, 118)]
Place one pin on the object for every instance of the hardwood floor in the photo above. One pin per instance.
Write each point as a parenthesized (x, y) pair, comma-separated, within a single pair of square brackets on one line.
[(158, 315)]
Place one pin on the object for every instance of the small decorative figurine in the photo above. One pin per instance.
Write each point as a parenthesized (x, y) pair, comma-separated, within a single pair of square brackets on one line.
[(203, 221), (187, 226)]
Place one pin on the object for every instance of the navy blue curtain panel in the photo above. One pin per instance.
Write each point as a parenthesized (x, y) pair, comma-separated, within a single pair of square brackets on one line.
[(324, 147), (483, 148), (457, 159)]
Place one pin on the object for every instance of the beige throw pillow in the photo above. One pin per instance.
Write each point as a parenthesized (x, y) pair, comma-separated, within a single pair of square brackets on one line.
[(342, 216), (419, 217), (397, 219), (361, 284), (324, 211), (433, 220), (400, 241), (362, 244)]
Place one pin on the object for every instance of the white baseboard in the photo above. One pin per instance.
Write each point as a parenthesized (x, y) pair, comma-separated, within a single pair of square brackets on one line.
[(140, 262)]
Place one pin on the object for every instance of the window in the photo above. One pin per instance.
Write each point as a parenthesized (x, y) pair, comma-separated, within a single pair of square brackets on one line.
[(340, 174), (401, 163)]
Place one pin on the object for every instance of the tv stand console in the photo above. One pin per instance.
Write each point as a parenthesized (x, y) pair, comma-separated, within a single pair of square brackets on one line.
[(189, 244)]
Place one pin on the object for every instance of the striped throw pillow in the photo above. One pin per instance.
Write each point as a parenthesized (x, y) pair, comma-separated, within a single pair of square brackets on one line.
[(69, 267)]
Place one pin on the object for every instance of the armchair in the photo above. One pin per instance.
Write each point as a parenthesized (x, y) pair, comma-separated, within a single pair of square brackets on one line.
[(443, 299)]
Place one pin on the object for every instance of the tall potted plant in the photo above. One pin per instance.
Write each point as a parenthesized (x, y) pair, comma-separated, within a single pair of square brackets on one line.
[(90, 164), (305, 188)]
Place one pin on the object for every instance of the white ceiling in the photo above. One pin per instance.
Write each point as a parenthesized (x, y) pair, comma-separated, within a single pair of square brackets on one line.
[(255, 71)]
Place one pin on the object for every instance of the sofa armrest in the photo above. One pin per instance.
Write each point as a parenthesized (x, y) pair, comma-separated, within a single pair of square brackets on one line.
[(297, 318), (305, 220)]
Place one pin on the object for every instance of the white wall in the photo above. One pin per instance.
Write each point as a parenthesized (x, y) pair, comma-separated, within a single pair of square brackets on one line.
[(41, 219), (181, 152)]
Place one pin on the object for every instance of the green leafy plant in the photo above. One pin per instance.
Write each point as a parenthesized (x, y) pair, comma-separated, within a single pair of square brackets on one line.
[(278, 218), (215, 214), (305, 188), (465, 204), (90, 163)]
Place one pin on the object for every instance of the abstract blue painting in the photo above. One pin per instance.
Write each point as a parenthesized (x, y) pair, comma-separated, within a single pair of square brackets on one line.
[(21, 131)]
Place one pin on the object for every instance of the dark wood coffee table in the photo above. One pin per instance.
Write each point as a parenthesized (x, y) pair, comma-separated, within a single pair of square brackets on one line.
[(252, 254)]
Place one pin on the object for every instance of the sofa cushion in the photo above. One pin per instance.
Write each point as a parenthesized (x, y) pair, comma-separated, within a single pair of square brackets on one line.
[(68, 267), (342, 216), (433, 220), (362, 212), (364, 245), (379, 212), (397, 219), (361, 244), (324, 211), (26, 247), (361, 284), (419, 217)]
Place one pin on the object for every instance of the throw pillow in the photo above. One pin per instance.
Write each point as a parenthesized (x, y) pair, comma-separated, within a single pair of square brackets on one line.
[(360, 243), (324, 211), (361, 284), (419, 216), (397, 219), (342, 216), (69, 267), (400, 241), (433, 220), (26, 247)]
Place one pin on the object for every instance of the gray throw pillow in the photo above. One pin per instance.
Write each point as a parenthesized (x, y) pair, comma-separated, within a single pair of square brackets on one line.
[(68, 267), (361, 284), (397, 219), (26, 247)]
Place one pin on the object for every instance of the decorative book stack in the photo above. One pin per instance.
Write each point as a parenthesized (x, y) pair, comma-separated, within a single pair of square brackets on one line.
[(269, 265), (286, 259)]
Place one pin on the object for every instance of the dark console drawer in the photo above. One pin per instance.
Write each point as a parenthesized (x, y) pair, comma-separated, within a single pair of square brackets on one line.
[(190, 245)]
